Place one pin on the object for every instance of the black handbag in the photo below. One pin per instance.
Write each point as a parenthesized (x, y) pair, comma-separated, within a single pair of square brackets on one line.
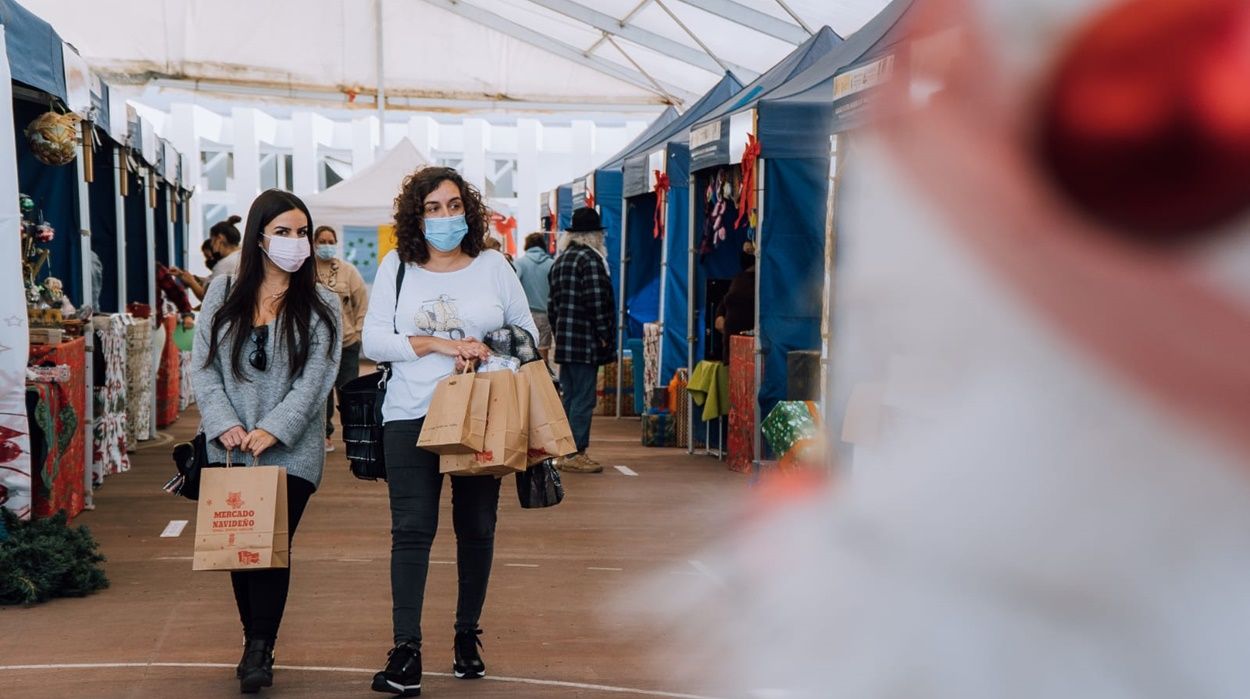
[(190, 458), (360, 412), (539, 486)]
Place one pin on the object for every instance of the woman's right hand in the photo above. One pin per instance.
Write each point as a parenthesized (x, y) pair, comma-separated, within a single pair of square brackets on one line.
[(233, 438)]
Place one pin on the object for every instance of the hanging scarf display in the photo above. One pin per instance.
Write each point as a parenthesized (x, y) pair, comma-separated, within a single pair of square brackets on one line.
[(661, 197), (719, 211), (108, 453), (139, 381), (746, 197)]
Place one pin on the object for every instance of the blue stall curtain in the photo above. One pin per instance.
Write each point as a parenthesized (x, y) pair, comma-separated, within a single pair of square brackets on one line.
[(677, 274), (103, 201), (137, 271), (161, 221), (608, 201), (564, 207), (792, 269), (55, 191), (642, 274)]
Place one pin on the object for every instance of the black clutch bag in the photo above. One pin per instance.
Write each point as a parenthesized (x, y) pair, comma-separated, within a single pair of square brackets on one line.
[(539, 486)]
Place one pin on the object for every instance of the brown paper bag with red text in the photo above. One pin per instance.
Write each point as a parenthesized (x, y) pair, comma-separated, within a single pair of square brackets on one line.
[(456, 421), (241, 519), (549, 432), (507, 438)]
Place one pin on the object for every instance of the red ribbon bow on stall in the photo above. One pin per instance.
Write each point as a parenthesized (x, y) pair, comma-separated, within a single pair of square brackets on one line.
[(746, 196), (661, 195)]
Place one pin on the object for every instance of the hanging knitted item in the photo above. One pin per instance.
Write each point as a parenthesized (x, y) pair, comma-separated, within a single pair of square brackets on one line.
[(661, 196), (53, 138), (746, 197)]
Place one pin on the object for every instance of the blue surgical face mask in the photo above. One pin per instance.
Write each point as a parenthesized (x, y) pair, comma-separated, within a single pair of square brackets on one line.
[(326, 252), (445, 234)]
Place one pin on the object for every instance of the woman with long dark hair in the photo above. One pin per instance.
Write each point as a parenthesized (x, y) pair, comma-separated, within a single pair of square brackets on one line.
[(266, 352), (452, 292)]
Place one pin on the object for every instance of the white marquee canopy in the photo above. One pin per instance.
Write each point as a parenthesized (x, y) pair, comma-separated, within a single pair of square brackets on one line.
[(445, 54)]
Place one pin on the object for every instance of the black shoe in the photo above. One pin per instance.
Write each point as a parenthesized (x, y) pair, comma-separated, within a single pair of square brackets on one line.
[(468, 664), (257, 667), (402, 675), (238, 671)]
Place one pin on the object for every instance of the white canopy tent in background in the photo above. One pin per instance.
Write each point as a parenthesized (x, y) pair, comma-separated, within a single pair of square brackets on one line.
[(368, 197), (444, 55)]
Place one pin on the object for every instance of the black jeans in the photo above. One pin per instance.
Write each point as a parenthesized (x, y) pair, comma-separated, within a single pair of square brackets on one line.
[(261, 594), (415, 487), (577, 386), (349, 368)]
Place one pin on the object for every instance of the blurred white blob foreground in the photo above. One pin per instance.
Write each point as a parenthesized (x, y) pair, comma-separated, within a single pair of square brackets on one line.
[(1058, 507)]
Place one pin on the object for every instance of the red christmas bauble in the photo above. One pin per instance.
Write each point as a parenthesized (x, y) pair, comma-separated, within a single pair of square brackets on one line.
[(1145, 123)]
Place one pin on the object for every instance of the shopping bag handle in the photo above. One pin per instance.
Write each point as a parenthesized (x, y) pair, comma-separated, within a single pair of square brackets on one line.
[(230, 459)]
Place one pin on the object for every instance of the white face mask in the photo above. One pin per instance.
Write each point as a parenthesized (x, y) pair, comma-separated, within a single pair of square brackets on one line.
[(288, 254)]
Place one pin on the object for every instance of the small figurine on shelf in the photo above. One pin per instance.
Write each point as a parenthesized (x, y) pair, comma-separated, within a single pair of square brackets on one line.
[(35, 231)]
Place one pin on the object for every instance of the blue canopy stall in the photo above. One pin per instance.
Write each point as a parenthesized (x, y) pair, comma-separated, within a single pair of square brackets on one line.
[(717, 232), (647, 234), (794, 125), (564, 207)]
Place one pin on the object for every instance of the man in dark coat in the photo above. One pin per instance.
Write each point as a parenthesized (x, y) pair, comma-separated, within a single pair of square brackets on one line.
[(583, 322)]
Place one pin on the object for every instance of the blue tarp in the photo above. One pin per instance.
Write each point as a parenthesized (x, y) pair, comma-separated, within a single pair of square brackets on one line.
[(34, 50), (716, 152), (637, 175), (608, 201), (103, 202), (643, 269), (564, 206), (55, 191)]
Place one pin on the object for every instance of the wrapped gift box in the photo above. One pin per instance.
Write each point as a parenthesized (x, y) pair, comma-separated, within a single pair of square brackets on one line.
[(659, 430), (606, 394), (739, 450), (793, 430)]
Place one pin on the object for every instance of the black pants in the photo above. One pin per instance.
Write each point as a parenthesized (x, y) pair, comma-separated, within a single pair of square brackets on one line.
[(349, 368), (261, 594), (415, 487)]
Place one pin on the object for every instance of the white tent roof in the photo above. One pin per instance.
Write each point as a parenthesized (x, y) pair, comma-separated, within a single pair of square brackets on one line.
[(368, 197), (445, 54)]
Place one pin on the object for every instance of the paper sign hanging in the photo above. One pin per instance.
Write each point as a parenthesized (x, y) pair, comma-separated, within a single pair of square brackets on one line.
[(708, 133)]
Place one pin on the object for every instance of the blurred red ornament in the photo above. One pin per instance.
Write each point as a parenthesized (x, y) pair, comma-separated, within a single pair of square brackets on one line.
[(1146, 122)]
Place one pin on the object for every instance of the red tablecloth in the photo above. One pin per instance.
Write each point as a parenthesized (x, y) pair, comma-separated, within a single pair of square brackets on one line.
[(740, 452), (58, 483), (168, 378)]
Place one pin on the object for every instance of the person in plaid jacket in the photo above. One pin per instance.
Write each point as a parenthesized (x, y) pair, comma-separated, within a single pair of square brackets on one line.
[(583, 322)]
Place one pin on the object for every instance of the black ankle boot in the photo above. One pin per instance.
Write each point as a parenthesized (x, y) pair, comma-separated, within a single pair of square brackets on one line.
[(238, 671), (468, 663), (257, 669)]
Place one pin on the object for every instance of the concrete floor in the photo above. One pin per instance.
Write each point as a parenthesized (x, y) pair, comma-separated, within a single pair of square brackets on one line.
[(161, 630)]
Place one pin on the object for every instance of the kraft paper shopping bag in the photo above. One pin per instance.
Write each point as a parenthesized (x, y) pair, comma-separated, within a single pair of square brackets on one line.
[(241, 519), (550, 435), (456, 421), (507, 437)]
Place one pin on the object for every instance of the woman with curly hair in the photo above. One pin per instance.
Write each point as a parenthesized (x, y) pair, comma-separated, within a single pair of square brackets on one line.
[(432, 298)]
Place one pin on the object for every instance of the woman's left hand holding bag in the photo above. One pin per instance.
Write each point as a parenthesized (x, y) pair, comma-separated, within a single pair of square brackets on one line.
[(257, 441)]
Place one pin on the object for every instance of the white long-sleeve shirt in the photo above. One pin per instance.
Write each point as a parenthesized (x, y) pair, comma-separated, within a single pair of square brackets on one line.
[(471, 302)]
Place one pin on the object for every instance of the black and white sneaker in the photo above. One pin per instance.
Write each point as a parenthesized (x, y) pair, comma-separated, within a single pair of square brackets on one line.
[(468, 664), (402, 675)]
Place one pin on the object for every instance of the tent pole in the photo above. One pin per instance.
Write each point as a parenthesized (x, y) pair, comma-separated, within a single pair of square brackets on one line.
[(121, 229), (88, 297), (150, 212), (691, 296), (377, 25), (756, 439), (620, 325), (836, 145)]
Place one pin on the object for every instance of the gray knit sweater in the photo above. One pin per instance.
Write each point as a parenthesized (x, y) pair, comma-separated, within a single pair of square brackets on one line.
[(292, 409)]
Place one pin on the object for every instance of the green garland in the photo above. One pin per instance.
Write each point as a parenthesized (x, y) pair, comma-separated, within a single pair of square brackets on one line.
[(46, 558)]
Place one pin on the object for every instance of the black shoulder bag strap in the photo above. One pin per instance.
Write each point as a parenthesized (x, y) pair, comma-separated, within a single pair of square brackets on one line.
[(385, 367)]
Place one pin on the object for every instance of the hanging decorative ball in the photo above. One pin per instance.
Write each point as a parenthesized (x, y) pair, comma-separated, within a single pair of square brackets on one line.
[(54, 138), (1145, 125), (26, 203), (45, 233)]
